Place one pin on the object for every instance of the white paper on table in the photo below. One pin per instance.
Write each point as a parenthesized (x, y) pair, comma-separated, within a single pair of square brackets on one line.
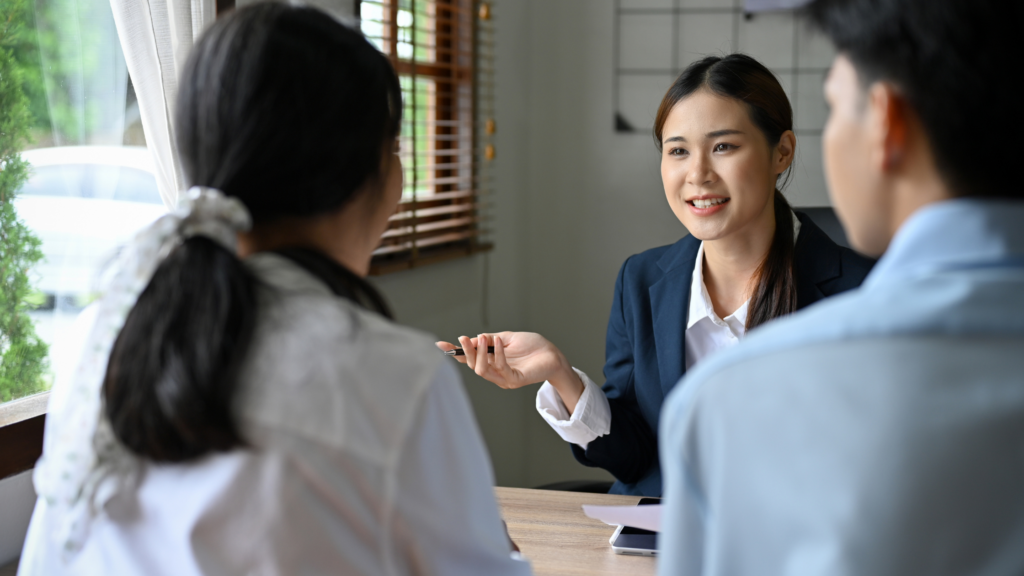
[(647, 517)]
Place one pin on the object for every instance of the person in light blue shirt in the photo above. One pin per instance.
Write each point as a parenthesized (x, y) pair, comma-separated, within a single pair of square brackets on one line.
[(880, 432)]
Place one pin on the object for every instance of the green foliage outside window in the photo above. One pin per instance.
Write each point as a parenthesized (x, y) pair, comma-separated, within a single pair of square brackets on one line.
[(23, 363), (22, 43)]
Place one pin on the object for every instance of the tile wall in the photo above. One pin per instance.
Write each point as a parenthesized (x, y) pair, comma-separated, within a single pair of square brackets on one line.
[(656, 39)]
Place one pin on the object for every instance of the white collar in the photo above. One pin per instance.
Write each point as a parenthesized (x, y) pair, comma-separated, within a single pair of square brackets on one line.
[(700, 300)]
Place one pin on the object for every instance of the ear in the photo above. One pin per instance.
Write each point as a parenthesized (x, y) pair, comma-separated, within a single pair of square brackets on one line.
[(785, 151), (888, 126)]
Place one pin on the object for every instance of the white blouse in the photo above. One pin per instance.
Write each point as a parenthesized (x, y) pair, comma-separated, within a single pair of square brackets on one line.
[(366, 459), (706, 333)]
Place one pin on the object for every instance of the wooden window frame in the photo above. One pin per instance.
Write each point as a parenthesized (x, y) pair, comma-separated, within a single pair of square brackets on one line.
[(22, 422), (450, 210)]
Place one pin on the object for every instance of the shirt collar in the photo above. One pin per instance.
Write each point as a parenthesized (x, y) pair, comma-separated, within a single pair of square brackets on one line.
[(700, 300), (952, 234)]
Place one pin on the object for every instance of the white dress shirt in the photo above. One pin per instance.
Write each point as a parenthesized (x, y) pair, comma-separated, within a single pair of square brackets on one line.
[(706, 333), (365, 459)]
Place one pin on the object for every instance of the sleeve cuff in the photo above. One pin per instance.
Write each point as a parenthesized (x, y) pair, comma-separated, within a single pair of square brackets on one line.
[(591, 419)]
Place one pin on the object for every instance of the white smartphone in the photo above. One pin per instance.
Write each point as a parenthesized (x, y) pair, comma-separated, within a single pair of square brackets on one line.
[(634, 541)]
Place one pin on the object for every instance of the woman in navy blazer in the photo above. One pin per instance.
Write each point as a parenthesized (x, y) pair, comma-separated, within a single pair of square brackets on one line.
[(645, 351), (725, 132)]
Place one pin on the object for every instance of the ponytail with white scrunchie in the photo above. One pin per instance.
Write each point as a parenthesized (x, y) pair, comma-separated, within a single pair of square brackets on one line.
[(84, 465)]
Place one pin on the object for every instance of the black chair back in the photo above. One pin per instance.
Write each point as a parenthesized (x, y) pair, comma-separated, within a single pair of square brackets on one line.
[(825, 218)]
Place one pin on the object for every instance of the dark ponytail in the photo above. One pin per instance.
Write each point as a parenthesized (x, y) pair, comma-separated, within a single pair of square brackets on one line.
[(775, 292), (173, 370), (290, 112), (741, 77)]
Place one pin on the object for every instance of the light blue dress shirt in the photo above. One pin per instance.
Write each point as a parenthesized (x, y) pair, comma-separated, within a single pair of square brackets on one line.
[(877, 432)]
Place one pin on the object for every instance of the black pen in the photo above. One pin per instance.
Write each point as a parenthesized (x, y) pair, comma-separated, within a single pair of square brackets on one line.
[(459, 352)]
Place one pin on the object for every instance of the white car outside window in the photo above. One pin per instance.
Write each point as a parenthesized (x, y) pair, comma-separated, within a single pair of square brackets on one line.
[(83, 202)]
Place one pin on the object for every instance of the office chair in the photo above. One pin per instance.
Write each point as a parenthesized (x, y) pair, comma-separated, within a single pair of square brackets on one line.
[(589, 486), (825, 218)]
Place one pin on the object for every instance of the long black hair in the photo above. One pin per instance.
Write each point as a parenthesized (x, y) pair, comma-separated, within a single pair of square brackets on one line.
[(291, 112), (740, 77)]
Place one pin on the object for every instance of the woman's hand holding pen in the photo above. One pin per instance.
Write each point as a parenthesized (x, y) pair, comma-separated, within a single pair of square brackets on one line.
[(520, 358)]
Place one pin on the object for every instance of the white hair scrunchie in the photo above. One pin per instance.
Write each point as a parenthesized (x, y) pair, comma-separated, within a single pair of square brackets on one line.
[(83, 464)]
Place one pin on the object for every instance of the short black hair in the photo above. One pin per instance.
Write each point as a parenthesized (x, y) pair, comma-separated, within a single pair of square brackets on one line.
[(957, 62)]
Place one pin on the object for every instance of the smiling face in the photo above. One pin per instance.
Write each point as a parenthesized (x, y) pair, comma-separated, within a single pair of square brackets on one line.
[(718, 170)]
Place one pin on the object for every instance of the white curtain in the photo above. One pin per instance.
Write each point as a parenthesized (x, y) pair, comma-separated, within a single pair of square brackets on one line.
[(156, 36)]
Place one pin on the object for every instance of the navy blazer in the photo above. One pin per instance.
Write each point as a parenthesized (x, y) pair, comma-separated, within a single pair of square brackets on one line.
[(645, 351)]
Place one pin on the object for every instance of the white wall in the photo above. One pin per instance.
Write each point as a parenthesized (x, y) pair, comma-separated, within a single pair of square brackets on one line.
[(491, 293), (17, 497), (594, 196)]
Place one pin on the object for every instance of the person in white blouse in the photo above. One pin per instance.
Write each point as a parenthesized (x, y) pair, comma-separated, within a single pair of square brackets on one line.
[(241, 402), (725, 132)]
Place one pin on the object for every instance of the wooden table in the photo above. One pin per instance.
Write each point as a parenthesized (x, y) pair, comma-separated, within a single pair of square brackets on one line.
[(559, 540)]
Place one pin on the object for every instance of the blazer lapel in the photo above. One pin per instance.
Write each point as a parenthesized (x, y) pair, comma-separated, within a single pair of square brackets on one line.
[(670, 303), (816, 259)]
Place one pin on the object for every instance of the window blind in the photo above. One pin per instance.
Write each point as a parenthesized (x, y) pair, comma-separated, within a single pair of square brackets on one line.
[(443, 53)]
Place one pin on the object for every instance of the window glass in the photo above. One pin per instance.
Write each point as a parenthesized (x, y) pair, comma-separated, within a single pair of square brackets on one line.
[(90, 183), (406, 30), (101, 181), (415, 24), (417, 137), (431, 45)]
